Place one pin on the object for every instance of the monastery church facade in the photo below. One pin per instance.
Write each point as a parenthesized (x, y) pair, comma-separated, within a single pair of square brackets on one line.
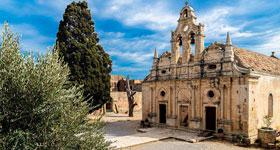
[(219, 88)]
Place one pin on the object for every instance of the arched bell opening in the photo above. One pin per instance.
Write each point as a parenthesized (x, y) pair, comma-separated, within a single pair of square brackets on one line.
[(180, 43), (192, 40), (185, 14), (192, 36)]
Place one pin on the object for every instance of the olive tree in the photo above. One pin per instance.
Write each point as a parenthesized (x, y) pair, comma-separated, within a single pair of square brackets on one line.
[(38, 108)]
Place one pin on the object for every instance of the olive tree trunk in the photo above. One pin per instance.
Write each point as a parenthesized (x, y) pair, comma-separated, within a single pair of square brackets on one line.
[(130, 96)]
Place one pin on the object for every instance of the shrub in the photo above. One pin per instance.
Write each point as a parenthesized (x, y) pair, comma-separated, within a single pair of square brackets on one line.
[(38, 108), (267, 120)]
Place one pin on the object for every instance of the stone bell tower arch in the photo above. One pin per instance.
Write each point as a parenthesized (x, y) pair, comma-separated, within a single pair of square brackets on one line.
[(187, 33)]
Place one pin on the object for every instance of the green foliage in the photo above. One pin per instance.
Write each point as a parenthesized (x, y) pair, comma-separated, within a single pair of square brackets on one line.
[(78, 45), (38, 108)]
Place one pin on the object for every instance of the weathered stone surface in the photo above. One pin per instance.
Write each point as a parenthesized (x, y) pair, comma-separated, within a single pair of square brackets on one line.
[(120, 101), (266, 137), (119, 96), (235, 82)]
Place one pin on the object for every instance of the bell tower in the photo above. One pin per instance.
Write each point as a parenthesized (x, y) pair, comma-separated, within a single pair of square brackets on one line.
[(188, 34)]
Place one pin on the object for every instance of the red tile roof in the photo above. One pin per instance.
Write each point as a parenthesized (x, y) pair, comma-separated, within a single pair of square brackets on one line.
[(256, 61)]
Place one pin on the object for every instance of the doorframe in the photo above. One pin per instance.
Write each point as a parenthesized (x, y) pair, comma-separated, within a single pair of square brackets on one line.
[(204, 116), (179, 111), (158, 110)]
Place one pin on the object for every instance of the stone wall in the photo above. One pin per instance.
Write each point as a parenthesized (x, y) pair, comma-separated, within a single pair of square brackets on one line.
[(230, 100), (259, 92), (120, 102)]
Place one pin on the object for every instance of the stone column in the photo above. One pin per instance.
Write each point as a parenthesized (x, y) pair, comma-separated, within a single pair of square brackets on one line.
[(174, 103), (170, 103), (222, 102), (186, 49), (175, 49), (193, 102), (200, 101)]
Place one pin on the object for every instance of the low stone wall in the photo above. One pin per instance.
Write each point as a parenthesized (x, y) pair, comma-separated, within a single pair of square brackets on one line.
[(120, 102), (266, 137)]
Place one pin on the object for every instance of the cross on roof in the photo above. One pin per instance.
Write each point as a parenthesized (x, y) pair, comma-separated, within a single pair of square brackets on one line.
[(187, 2)]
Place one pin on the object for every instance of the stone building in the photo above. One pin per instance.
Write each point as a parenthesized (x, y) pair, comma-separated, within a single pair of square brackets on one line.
[(118, 93), (219, 88)]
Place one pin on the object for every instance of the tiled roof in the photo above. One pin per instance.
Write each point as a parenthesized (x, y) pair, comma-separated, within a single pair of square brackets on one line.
[(256, 61)]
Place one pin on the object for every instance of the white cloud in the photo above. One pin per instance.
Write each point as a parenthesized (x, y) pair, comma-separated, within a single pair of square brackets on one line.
[(138, 50), (155, 15), (31, 38), (138, 57), (268, 42), (217, 24), (273, 43)]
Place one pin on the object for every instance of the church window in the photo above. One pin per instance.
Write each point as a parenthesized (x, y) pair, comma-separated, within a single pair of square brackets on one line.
[(211, 94), (163, 71), (270, 105), (162, 93)]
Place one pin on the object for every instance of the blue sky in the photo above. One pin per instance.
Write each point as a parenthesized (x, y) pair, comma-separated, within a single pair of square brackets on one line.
[(131, 29)]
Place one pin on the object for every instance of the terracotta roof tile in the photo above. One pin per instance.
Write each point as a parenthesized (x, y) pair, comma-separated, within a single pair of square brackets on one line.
[(256, 61)]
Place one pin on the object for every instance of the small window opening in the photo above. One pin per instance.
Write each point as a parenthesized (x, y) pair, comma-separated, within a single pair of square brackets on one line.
[(163, 71), (211, 94), (270, 105), (212, 67), (162, 93)]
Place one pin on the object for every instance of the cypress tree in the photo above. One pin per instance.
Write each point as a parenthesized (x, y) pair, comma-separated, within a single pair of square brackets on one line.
[(78, 45)]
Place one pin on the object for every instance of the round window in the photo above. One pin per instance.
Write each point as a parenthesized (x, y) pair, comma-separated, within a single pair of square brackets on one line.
[(211, 94), (162, 93)]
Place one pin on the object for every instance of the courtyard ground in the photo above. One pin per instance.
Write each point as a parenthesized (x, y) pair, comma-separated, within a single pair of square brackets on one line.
[(122, 132)]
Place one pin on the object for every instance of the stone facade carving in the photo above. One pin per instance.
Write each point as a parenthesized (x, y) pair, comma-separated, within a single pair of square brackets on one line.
[(218, 87)]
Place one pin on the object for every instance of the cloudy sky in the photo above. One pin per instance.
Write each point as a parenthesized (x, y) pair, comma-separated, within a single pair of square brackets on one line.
[(131, 29)]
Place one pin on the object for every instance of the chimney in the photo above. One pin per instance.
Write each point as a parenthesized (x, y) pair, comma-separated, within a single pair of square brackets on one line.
[(273, 55)]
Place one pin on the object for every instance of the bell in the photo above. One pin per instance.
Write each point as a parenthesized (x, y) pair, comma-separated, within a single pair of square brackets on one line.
[(181, 43), (192, 41)]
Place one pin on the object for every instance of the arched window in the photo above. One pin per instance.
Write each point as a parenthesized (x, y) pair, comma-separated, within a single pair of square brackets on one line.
[(270, 105)]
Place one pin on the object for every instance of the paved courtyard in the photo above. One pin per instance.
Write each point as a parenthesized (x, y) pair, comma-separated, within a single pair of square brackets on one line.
[(172, 144), (122, 132)]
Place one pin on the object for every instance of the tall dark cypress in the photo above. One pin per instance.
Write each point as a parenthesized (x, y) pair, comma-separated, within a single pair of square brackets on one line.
[(78, 45)]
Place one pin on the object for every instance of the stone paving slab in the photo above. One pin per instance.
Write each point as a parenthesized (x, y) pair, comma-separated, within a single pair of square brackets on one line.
[(152, 135)]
